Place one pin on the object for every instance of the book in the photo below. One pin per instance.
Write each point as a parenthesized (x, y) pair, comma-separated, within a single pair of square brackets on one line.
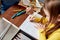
[(4, 26)]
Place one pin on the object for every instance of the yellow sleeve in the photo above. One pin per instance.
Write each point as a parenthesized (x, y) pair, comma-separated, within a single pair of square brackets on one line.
[(55, 36), (41, 35)]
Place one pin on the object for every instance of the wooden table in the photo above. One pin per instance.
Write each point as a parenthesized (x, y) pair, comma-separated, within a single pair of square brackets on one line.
[(17, 20)]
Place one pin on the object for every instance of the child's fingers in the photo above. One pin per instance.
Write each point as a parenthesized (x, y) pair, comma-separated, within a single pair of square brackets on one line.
[(32, 19)]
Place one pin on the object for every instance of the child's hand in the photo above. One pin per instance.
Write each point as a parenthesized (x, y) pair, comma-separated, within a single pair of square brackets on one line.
[(37, 25), (32, 18)]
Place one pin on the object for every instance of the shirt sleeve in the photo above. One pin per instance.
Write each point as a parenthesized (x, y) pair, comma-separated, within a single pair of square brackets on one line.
[(41, 35), (55, 36)]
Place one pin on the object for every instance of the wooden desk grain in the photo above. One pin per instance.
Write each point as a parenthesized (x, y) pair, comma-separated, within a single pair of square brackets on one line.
[(17, 20)]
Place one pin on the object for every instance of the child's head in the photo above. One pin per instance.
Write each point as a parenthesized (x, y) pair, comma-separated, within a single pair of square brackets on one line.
[(53, 8)]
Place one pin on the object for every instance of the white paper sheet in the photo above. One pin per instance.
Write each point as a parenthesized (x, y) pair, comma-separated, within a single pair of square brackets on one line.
[(29, 28)]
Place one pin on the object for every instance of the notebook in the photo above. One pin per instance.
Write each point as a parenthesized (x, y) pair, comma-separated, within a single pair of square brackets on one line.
[(29, 28)]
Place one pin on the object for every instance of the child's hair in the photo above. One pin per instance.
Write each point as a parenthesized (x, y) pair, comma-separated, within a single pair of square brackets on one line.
[(53, 6)]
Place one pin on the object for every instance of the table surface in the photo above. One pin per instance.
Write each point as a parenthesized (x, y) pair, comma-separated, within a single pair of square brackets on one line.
[(17, 20)]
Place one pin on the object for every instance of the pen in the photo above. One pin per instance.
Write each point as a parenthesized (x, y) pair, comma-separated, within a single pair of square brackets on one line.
[(18, 13)]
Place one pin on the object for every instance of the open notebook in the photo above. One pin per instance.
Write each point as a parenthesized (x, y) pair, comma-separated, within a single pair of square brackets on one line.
[(29, 27)]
